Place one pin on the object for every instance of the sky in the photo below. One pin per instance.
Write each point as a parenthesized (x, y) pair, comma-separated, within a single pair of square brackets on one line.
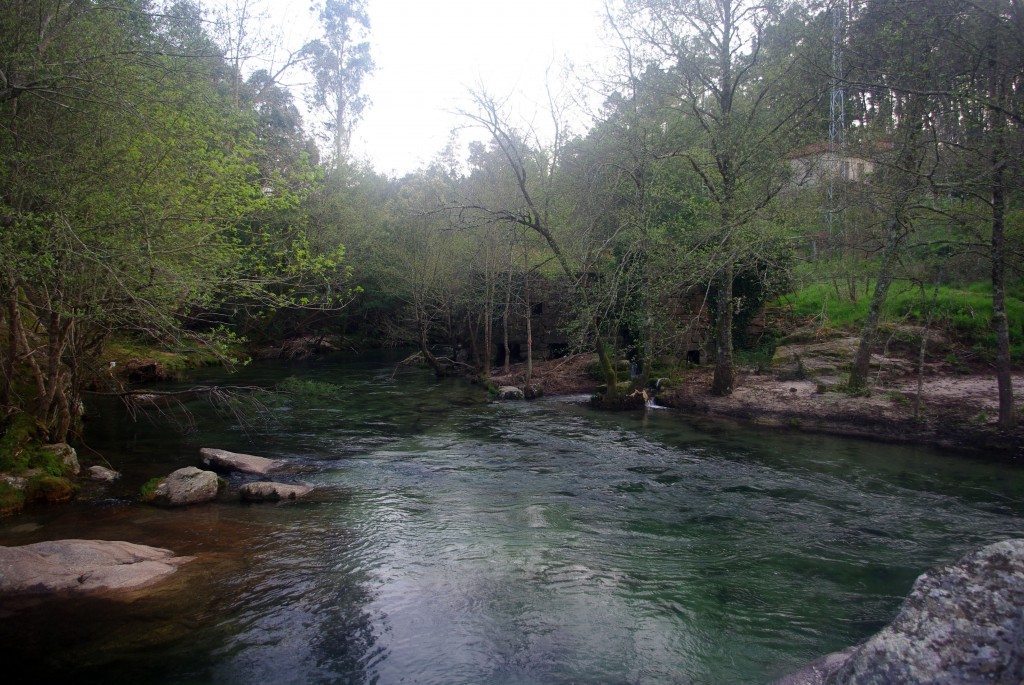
[(429, 53)]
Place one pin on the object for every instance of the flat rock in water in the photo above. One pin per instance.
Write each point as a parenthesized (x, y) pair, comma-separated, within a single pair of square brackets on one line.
[(268, 491), (961, 624), (78, 566), (233, 461), (187, 486)]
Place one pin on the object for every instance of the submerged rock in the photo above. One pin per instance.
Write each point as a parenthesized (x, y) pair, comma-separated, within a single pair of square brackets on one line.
[(185, 486), (233, 461), (78, 566), (268, 491), (961, 624)]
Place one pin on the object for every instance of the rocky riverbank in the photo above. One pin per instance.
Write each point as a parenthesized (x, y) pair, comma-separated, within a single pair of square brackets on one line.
[(954, 407)]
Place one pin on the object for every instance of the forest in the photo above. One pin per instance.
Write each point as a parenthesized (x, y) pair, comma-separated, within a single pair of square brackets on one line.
[(819, 157)]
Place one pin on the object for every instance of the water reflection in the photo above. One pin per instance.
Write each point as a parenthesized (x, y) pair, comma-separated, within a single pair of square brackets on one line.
[(454, 540)]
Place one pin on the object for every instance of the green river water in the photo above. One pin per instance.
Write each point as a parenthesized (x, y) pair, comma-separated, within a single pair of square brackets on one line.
[(454, 540)]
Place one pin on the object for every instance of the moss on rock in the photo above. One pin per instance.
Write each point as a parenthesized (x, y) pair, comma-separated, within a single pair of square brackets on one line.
[(12, 499), (49, 489)]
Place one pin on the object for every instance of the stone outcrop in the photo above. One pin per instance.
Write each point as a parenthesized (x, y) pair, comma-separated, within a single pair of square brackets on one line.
[(268, 491), (102, 473), (186, 486), (510, 392), (78, 566), (233, 461), (961, 624)]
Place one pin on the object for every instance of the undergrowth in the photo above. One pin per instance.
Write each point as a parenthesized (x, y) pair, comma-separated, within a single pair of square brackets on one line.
[(965, 312)]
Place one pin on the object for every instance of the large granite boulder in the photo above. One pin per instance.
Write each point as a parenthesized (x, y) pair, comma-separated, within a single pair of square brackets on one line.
[(510, 392), (185, 486), (962, 624), (77, 566), (268, 491), (233, 461)]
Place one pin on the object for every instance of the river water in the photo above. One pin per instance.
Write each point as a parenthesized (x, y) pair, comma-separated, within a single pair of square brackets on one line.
[(454, 540)]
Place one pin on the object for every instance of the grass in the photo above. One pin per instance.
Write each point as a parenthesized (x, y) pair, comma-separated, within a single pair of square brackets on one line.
[(964, 311)]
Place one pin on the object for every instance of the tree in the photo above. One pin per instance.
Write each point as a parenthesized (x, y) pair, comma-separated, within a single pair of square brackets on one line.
[(339, 62), (984, 49), (533, 207), (941, 82), (127, 173), (736, 121)]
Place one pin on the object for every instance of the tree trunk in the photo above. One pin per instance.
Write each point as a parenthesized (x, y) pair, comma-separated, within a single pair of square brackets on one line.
[(859, 375), (13, 324), (725, 373), (924, 344), (428, 356), (607, 368), (1007, 410), (529, 334), (504, 322)]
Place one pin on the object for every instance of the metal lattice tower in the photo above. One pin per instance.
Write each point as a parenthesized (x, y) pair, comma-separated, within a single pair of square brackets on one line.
[(836, 126)]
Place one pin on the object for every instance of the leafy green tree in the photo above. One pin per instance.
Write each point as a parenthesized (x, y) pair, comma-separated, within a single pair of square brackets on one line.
[(736, 121), (127, 173), (339, 62)]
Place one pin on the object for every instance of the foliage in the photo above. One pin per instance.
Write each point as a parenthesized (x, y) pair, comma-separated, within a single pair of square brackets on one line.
[(309, 389), (965, 311), (140, 196), (147, 491)]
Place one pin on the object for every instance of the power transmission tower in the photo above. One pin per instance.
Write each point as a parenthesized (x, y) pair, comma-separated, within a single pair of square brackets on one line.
[(836, 127)]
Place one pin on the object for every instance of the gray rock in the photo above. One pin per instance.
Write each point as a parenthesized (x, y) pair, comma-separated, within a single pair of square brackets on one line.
[(187, 486), (961, 624), (102, 473), (268, 491), (78, 566), (233, 461), (67, 455), (818, 671), (510, 392)]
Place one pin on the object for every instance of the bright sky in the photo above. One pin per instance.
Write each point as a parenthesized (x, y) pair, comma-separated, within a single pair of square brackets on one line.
[(430, 52)]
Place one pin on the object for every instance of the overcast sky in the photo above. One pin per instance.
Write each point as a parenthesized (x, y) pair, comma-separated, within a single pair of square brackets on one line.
[(430, 52)]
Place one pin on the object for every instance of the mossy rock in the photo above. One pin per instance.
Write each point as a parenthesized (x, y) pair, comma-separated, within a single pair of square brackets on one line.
[(12, 499), (49, 489), (23, 448)]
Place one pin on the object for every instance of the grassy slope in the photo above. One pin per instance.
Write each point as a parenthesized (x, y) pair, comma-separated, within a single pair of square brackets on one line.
[(965, 312)]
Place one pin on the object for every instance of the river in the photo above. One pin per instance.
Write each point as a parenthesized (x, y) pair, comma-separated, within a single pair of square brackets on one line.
[(454, 540)]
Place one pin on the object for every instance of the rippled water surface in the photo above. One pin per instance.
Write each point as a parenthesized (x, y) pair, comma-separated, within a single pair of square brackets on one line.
[(455, 540)]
